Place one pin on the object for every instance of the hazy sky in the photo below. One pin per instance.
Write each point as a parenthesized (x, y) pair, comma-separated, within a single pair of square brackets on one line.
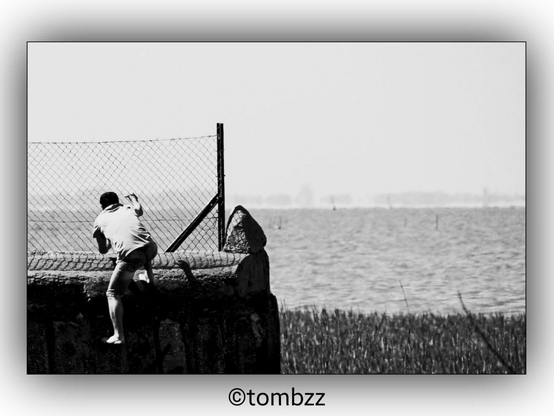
[(359, 118)]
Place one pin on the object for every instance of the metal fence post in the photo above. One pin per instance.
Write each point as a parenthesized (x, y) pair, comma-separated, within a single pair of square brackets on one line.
[(220, 186)]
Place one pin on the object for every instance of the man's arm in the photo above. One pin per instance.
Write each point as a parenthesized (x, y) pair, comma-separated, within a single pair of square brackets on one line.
[(103, 243), (136, 204)]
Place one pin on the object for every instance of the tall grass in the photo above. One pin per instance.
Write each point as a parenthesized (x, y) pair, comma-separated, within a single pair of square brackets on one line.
[(340, 342)]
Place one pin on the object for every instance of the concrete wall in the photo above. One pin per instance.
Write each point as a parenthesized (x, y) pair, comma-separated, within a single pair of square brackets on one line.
[(223, 321)]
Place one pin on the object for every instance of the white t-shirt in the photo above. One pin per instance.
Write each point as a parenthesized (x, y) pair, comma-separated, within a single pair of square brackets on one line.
[(120, 224)]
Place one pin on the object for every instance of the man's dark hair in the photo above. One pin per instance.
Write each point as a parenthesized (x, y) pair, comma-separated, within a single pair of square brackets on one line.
[(108, 198)]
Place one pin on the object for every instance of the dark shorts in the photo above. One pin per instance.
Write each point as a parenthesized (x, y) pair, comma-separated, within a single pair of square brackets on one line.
[(126, 268)]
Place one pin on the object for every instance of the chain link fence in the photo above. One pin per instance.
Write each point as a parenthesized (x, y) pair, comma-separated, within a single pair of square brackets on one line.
[(175, 181)]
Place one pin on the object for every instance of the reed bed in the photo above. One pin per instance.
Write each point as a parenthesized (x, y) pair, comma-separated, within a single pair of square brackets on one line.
[(345, 342)]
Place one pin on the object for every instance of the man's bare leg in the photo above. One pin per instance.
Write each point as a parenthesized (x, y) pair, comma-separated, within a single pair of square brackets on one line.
[(115, 308)]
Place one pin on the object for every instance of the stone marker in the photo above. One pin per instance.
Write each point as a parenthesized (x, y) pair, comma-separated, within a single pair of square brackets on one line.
[(244, 234)]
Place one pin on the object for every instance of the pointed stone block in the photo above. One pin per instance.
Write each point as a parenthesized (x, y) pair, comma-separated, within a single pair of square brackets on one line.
[(244, 234)]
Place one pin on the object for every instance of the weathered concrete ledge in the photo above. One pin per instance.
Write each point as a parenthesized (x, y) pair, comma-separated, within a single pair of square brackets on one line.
[(224, 320), (89, 261)]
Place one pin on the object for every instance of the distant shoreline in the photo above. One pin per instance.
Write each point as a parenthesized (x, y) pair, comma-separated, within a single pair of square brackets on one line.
[(384, 207)]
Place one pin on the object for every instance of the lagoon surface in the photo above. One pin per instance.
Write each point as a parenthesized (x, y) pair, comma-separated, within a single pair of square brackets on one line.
[(398, 260), (395, 260)]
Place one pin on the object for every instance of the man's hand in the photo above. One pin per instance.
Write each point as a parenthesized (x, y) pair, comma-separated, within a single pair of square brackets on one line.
[(136, 204), (132, 197)]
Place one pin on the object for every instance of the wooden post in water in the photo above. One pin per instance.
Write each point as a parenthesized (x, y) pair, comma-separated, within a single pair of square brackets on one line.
[(436, 221)]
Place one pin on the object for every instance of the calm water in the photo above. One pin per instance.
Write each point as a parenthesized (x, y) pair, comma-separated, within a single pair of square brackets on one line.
[(360, 259)]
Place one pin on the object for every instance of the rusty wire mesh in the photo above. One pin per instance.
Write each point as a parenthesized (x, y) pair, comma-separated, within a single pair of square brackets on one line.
[(174, 180)]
